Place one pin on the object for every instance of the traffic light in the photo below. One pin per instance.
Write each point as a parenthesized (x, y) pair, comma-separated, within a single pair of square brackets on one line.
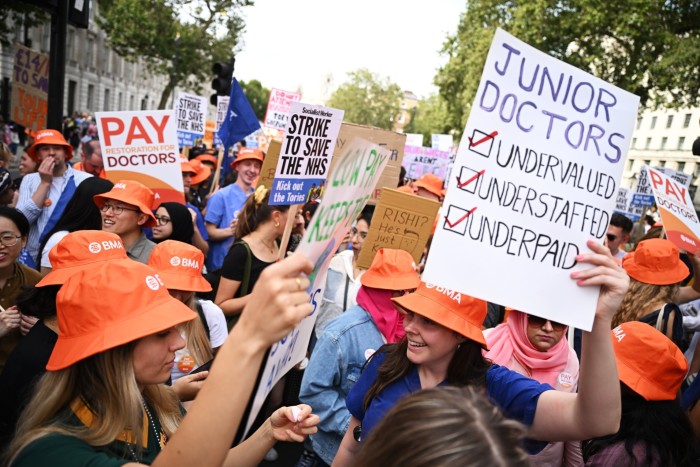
[(222, 83)]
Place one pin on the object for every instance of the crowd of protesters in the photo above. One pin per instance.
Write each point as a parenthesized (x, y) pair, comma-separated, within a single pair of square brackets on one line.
[(133, 332)]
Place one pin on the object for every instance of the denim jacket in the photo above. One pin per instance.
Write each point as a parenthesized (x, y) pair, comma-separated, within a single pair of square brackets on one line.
[(335, 365)]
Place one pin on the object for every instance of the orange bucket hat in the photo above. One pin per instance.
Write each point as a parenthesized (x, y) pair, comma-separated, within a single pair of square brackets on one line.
[(130, 192), (185, 165), (406, 189), (202, 172), (459, 312), (79, 250), (179, 265), (245, 154), (132, 303), (391, 270), (49, 137), (431, 183), (648, 361), (655, 261), (207, 158)]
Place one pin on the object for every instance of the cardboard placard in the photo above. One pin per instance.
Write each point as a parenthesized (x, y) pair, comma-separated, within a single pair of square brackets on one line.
[(402, 221), (536, 176), (307, 149), (278, 108), (267, 171), (191, 112), (677, 211), (419, 161), (30, 88), (142, 146), (391, 140), (349, 187)]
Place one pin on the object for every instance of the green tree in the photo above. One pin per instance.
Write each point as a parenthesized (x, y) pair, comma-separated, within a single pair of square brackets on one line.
[(257, 95), (650, 48), (429, 116), (180, 39), (368, 99), (18, 14)]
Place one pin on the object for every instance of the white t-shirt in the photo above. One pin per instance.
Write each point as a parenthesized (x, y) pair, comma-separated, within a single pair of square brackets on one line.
[(50, 243), (184, 362), (620, 254)]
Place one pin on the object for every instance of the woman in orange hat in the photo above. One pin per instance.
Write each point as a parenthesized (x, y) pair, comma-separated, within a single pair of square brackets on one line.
[(443, 345), (103, 401), (180, 267), (259, 226), (656, 272), (654, 430)]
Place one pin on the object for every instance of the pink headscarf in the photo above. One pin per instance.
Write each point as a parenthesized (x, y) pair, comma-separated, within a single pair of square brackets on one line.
[(509, 340), (377, 302)]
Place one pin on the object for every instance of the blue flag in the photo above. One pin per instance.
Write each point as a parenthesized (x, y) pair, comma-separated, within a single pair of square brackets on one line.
[(240, 121)]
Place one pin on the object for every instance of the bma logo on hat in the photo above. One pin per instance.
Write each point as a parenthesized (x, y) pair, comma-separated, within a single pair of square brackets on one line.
[(44, 134), (175, 261), (153, 282), (94, 247), (184, 262), (454, 295), (121, 186)]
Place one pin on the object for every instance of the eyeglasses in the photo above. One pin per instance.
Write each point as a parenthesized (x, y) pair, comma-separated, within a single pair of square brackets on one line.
[(538, 322), (162, 220), (611, 237), (116, 209), (8, 240)]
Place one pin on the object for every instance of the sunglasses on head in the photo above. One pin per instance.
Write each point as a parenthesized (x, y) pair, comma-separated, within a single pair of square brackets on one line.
[(539, 322)]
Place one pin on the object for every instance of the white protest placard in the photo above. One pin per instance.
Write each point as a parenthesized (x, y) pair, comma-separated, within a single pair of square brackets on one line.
[(350, 186), (441, 142), (221, 109), (414, 139), (681, 177), (142, 146), (278, 108), (419, 161), (677, 211), (535, 177), (306, 154), (191, 112)]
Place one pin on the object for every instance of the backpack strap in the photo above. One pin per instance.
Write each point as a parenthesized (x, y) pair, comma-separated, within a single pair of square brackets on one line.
[(203, 318), (246, 273)]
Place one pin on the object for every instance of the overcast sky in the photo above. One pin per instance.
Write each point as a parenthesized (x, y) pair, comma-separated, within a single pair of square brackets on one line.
[(292, 44)]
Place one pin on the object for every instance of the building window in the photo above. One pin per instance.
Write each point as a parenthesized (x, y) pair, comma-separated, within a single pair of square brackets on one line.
[(653, 122), (634, 143), (681, 166), (120, 101), (647, 143), (72, 91), (681, 142), (131, 102), (662, 164), (647, 163), (669, 121), (107, 104), (70, 44), (664, 140), (686, 122), (90, 47), (639, 122), (91, 98)]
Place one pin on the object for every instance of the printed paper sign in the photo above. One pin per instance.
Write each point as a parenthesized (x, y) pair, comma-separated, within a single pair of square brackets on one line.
[(677, 212), (279, 107), (441, 142), (414, 139), (30, 88), (622, 204), (402, 221), (535, 177), (642, 191), (306, 154), (142, 146), (221, 110), (349, 188), (419, 161), (681, 177), (191, 111), (391, 140)]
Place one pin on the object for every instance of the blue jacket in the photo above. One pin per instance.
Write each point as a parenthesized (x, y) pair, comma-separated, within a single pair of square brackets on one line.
[(335, 365)]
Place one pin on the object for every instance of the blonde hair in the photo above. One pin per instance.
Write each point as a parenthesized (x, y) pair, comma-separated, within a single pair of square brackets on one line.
[(196, 338), (106, 384), (642, 298)]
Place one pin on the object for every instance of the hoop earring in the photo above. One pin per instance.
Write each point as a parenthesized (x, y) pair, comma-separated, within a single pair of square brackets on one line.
[(277, 224)]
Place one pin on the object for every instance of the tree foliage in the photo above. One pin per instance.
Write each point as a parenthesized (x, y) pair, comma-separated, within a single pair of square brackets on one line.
[(257, 95), (180, 39), (18, 14), (368, 99), (650, 48), (429, 116)]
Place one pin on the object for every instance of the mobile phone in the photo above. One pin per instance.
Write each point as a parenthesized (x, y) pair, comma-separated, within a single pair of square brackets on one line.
[(203, 367)]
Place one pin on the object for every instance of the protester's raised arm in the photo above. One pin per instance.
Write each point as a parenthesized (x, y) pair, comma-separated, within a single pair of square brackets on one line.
[(595, 410)]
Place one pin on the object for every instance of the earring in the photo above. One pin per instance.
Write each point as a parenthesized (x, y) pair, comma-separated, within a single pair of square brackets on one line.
[(277, 224)]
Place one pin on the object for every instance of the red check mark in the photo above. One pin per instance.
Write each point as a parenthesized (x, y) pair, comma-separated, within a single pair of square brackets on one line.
[(458, 221), (482, 140), (474, 177)]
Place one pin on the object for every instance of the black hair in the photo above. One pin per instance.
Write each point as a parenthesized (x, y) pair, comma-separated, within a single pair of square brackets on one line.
[(621, 221), (17, 217), (311, 209), (81, 212), (181, 220), (39, 302), (661, 427)]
